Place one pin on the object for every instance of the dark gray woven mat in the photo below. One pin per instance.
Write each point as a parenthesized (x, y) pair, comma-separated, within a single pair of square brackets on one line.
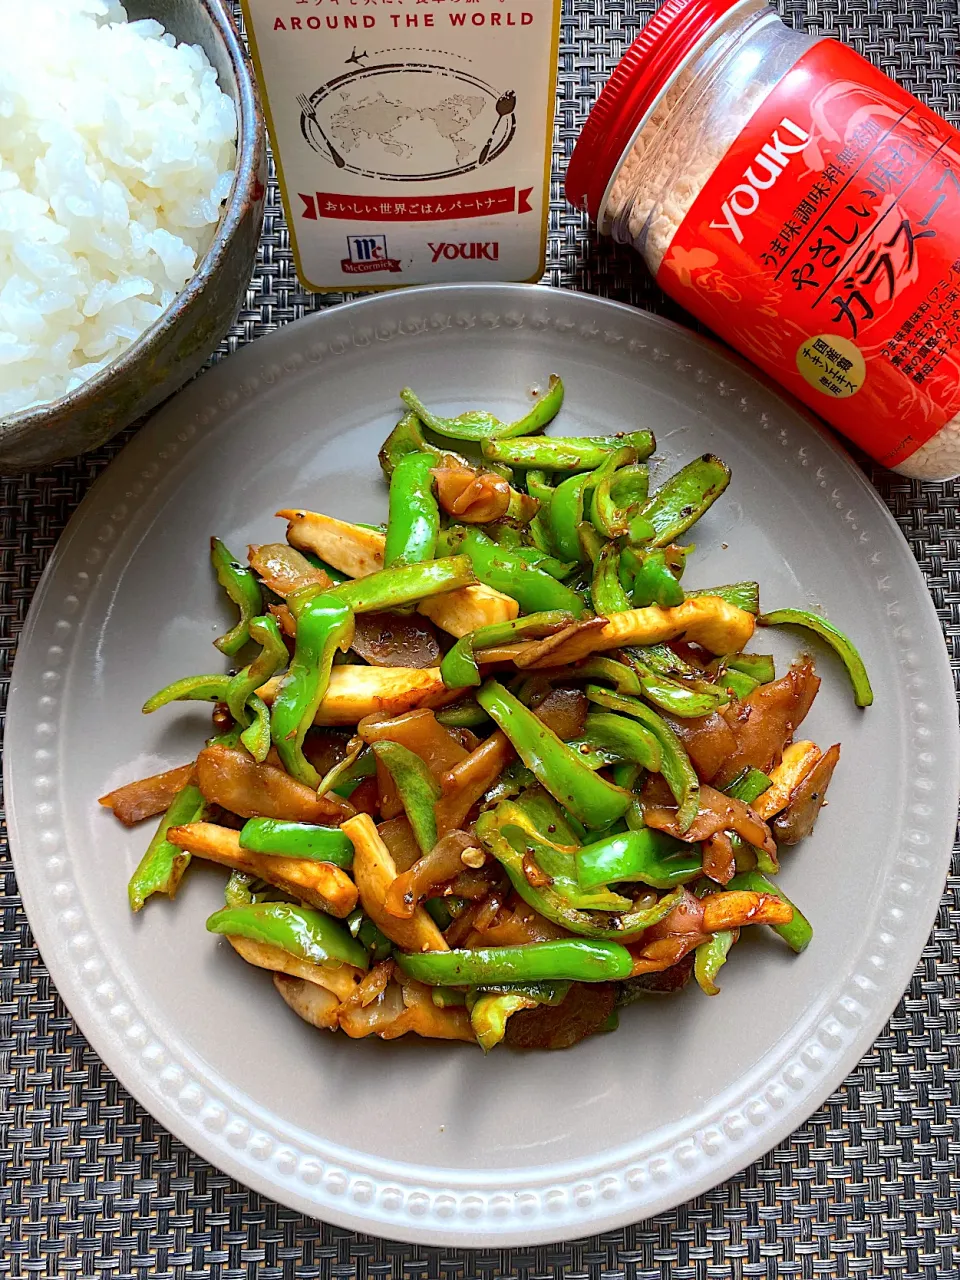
[(91, 1186)]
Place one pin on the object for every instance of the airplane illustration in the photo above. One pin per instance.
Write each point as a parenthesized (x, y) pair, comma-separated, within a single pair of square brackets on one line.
[(355, 57)]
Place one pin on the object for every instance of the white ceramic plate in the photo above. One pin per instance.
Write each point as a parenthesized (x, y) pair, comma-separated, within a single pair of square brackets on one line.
[(431, 1142)]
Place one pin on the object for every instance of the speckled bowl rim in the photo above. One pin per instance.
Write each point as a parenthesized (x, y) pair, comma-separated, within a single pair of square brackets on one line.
[(622, 1182), (251, 133)]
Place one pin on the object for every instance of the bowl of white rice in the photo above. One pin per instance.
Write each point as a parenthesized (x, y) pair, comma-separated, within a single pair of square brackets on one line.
[(132, 181)]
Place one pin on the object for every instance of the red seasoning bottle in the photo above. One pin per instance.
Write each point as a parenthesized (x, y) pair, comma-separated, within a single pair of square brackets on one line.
[(799, 203)]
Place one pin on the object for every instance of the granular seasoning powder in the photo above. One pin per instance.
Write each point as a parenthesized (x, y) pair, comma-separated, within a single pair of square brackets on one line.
[(800, 204)]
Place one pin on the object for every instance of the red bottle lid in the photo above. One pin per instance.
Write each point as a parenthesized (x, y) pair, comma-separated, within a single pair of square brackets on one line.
[(638, 80)]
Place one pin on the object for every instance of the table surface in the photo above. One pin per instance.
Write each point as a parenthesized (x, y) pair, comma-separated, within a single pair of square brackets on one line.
[(91, 1185)]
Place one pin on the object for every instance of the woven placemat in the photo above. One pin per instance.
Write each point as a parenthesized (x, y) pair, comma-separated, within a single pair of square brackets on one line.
[(90, 1185)]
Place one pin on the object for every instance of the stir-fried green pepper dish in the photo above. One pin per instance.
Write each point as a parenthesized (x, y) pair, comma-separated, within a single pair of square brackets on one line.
[(491, 771)]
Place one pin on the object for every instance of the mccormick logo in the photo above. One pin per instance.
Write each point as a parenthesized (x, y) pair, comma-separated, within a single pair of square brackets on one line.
[(489, 249), (368, 253), (768, 164)]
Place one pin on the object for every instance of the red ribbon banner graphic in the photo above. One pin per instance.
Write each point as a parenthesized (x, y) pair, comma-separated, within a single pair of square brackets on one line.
[(471, 204)]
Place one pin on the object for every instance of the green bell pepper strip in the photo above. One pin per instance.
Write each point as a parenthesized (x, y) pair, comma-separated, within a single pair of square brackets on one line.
[(377, 944), (579, 582), (616, 738), (533, 589), (344, 777), (619, 828), (519, 506), (465, 713), (537, 486), (418, 788), (479, 425), (748, 786), (683, 499), (675, 697), (538, 559), (544, 814), (631, 485), (404, 584), (634, 816), (439, 913), (241, 585), (591, 543), (842, 645), (662, 659), (557, 862), (738, 683), (237, 892), (489, 1011), (625, 775), (678, 773), (646, 856), (595, 757), (448, 542), (566, 513), (300, 931), (335, 575), (598, 667), (273, 657), (513, 779), (709, 958), (639, 529), (557, 767), (653, 582), (459, 668), (492, 829), (539, 528), (744, 595), (190, 689), (758, 666), (606, 589), (297, 840), (256, 737), (799, 932), (573, 960), (566, 453), (324, 624), (605, 515), (162, 866), (448, 997), (619, 494), (543, 992), (413, 522), (406, 437), (489, 1015), (505, 534)]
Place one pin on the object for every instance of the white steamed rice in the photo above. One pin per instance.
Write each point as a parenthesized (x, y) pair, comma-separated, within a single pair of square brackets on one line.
[(117, 149)]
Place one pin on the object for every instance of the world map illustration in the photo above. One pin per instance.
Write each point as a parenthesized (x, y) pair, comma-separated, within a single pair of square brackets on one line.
[(378, 118)]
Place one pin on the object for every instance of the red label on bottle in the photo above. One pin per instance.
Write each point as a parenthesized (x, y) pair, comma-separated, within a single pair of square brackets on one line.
[(826, 249)]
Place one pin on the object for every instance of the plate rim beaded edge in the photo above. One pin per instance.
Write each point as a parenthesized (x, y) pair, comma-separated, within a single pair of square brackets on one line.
[(407, 1202)]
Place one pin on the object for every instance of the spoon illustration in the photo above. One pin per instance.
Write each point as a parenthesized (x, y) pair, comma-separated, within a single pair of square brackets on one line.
[(506, 105)]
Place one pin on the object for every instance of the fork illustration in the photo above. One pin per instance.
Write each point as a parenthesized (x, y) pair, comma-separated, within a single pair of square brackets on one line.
[(309, 113)]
